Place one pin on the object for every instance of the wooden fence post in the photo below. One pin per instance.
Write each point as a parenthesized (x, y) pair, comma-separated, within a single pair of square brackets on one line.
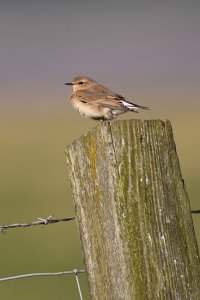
[(133, 213)]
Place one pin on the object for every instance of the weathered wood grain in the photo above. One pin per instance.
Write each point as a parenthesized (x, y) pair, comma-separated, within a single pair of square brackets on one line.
[(133, 213)]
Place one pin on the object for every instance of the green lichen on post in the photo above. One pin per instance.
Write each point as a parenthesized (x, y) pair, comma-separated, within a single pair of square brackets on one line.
[(91, 148), (133, 213)]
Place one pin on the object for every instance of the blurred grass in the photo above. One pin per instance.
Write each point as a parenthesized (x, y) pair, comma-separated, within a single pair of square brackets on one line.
[(34, 183)]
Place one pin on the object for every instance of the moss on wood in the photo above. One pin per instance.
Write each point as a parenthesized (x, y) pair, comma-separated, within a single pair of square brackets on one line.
[(133, 213)]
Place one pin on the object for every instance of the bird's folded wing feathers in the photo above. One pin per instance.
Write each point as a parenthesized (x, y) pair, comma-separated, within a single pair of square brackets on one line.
[(107, 99), (112, 100)]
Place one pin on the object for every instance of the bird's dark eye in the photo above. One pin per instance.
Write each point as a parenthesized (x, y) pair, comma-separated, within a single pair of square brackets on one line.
[(81, 82)]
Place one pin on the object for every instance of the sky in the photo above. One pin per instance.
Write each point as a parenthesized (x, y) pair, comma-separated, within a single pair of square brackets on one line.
[(138, 48)]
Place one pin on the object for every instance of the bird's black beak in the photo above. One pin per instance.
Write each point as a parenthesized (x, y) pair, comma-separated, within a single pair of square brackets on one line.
[(68, 83)]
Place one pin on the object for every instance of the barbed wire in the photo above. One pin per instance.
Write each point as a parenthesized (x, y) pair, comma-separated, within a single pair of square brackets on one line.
[(40, 221), (43, 221), (46, 221), (49, 220), (75, 272)]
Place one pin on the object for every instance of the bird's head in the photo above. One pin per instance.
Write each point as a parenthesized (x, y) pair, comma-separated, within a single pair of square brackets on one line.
[(81, 83)]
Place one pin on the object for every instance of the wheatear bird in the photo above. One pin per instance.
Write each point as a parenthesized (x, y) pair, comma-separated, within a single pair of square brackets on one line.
[(97, 102)]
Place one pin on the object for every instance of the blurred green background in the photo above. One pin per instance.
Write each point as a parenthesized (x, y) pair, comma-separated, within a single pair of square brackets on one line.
[(148, 51)]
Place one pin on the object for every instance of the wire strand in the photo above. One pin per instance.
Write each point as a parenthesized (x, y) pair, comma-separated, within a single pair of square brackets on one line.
[(78, 284), (42, 274)]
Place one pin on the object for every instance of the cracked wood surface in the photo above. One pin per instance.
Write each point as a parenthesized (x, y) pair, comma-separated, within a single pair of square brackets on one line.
[(133, 213)]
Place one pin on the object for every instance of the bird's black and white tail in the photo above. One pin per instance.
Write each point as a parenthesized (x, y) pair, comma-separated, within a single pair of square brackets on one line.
[(132, 106)]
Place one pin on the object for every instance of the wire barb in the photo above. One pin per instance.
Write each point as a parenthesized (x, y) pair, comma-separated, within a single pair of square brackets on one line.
[(40, 221)]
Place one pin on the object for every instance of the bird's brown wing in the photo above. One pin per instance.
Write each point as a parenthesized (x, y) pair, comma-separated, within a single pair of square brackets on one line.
[(101, 99), (104, 98)]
